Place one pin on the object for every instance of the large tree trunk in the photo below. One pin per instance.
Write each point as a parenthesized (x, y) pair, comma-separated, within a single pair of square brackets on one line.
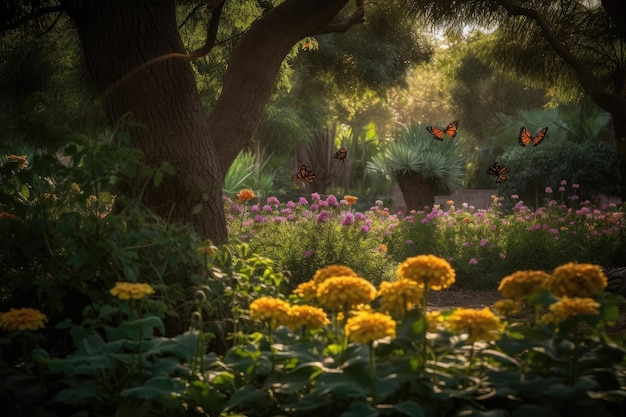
[(136, 57), (119, 37), (418, 192)]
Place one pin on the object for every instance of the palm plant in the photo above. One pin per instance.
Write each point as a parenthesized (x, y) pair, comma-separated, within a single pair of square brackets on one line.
[(421, 165)]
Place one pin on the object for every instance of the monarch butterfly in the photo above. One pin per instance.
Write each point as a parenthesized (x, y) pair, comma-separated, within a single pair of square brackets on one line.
[(341, 154), (499, 171), (304, 174), (526, 138), (438, 134)]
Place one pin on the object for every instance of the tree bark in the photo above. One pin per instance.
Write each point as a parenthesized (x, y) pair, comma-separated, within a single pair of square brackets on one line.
[(119, 37), (418, 192)]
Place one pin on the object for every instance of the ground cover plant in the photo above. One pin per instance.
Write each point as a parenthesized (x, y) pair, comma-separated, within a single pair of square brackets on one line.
[(114, 313)]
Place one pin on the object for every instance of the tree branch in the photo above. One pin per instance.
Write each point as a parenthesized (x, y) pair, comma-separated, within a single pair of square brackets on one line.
[(35, 14), (612, 103), (211, 32), (356, 18)]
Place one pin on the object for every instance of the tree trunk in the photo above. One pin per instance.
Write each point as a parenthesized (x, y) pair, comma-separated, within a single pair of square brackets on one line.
[(417, 191), (136, 57), (118, 38)]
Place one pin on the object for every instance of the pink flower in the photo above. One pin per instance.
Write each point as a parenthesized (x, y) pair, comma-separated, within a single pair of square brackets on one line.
[(564, 182), (348, 219), (548, 190), (323, 216), (473, 261), (575, 186)]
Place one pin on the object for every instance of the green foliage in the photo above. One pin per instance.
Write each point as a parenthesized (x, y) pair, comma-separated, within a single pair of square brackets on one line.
[(415, 151), (249, 171)]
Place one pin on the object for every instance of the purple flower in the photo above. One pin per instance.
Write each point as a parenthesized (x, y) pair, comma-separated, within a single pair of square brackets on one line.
[(548, 190), (561, 189), (315, 207), (315, 196), (502, 256), (308, 253), (564, 182), (575, 186), (273, 201), (255, 209), (348, 219), (408, 242), (332, 200), (515, 197), (473, 261), (291, 204), (267, 208), (235, 209), (323, 216), (285, 211), (303, 201), (483, 242), (365, 228), (359, 216)]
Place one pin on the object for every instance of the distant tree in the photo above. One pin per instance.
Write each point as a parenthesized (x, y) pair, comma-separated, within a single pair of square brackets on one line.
[(587, 36)]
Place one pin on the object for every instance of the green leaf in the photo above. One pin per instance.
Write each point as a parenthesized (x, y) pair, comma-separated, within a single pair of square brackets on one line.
[(155, 388), (158, 178), (246, 396), (409, 408), (360, 409)]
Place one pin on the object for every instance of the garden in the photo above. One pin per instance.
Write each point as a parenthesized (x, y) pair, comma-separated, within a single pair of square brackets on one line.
[(316, 305)]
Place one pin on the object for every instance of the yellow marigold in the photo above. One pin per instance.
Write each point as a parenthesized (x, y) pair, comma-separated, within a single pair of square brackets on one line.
[(245, 195), (429, 271), (345, 291), (577, 280), (307, 316), (480, 324), (332, 271), (128, 290), (506, 307), (350, 199), (366, 327), (400, 296), (20, 160), (22, 319), (433, 319), (306, 290), (382, 248), (521, 284), (8, 216), (270, 310), (569, 307)]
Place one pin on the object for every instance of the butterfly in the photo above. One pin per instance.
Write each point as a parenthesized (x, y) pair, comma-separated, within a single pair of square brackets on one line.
[(526, 138), (341, 154), (439, 134), (304, 174), (499, 171)]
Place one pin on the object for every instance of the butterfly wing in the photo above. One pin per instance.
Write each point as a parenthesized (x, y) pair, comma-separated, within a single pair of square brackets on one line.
[(524, 137), (539, 136), (451, 128), (436, 132), (341, 154), (498, 171)]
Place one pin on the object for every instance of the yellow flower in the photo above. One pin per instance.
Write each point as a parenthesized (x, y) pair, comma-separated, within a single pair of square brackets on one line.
[(506, 307), (521, 284), (308, 316), (128, 290), (20, 160), (22, 319), (366, 327), (350, 199), (400, 296), (570, 307), (245, 195), (306, 290), (345, 291), (382, 248), (577, 280), (429, 271), (433, 319), (332, 271), (480, 324), (271, 310)]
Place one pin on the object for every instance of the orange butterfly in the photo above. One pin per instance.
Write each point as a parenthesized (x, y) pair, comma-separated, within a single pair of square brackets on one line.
[(499, 171), (341, 154), (438, 134), (526, 138), (305, 174)]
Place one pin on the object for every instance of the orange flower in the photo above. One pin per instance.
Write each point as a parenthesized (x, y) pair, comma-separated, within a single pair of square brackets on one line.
[(128, 290), (20, 160), (22, 319), (245, 195), (350, 199)]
